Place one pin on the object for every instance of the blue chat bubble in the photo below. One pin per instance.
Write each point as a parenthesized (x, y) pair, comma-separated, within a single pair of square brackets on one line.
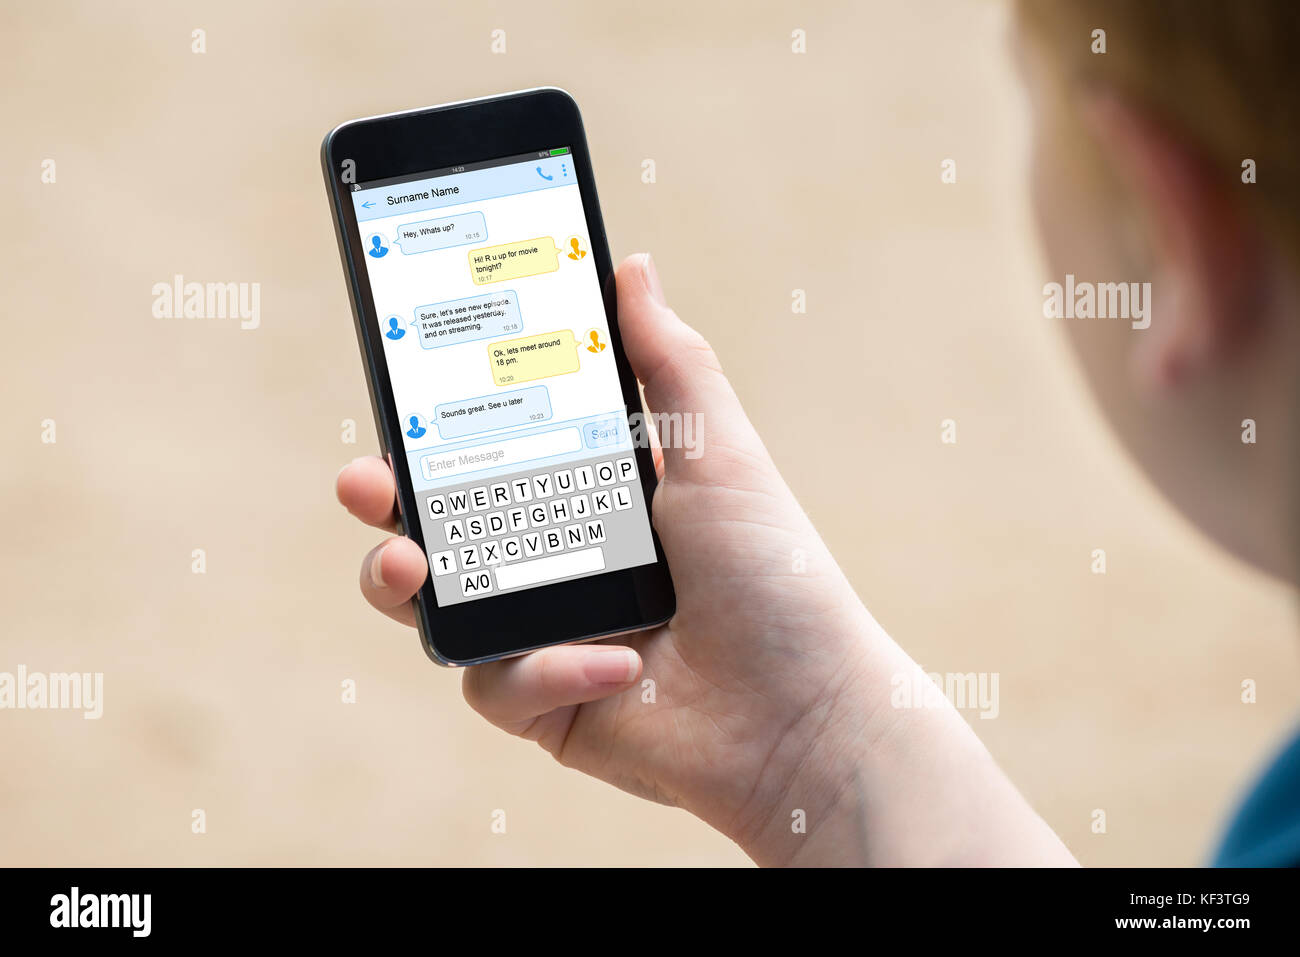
[(431, 234), (466, 320), (455, 420)]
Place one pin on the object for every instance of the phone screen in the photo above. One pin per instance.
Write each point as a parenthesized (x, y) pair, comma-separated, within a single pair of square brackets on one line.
[(497, 348)]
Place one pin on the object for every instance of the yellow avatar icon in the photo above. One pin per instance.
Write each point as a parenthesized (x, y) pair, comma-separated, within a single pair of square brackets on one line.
[(576, 251), (595, 345)]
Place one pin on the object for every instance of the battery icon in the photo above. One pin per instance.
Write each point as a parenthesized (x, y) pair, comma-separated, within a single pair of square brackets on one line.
[(560, 152)]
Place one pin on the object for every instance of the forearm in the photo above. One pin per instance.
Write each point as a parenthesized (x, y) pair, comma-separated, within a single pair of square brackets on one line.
[(857, 781)]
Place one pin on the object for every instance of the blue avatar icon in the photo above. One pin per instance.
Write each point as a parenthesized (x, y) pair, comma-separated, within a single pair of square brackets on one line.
[(395, 330), (416, 430), (377, 247)]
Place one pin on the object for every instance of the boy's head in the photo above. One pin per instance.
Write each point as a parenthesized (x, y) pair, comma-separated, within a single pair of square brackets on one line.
[(1142, 137)]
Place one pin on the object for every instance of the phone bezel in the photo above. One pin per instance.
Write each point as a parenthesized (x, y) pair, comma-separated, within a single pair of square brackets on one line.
[(399, 144)]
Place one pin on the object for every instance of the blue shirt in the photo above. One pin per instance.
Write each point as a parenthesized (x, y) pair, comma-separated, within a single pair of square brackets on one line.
[(1266, 829)]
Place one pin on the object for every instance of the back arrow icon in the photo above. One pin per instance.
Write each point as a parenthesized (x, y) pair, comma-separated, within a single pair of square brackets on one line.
[(367, 205)]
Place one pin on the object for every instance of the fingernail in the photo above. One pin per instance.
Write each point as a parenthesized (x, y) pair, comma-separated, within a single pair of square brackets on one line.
[(652, 281), (349, 465), (610, 666), (376, 567)]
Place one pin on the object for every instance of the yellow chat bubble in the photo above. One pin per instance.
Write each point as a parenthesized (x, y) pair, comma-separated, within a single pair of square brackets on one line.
[(529, 257), (533, 357)]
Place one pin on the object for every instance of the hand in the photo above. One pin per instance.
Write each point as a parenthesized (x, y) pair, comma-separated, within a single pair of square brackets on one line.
[(771, 683)]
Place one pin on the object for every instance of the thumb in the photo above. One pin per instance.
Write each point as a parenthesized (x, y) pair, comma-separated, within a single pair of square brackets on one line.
[(692, 404)]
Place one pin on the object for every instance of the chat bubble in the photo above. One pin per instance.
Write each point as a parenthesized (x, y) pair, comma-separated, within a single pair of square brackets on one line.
[(466, 320), (533, 357), (530, 257), (431, 234), (455, 420)]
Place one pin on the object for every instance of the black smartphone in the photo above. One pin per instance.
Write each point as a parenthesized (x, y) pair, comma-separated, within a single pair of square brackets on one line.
[(483, 295)]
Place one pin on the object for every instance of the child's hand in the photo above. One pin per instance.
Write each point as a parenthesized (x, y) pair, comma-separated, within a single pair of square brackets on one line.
[(771, 684)]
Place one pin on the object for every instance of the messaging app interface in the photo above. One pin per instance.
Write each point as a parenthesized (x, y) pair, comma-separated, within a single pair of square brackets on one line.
[(498, 351)]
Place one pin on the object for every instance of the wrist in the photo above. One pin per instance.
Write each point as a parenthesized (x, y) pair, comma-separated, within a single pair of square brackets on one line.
[(856, 781), (808, 804)]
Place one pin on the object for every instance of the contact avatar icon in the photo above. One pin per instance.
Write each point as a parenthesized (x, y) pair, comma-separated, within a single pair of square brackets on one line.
[(417, 429), (377, 247), (395, 330)]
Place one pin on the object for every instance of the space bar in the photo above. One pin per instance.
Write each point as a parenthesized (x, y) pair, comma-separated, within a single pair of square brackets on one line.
[(550, 568)]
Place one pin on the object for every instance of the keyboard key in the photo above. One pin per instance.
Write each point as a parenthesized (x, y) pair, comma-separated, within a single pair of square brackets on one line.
[(437, 506), (542, 486), (453, 531), (523, 490), (537, 515), (475, 527), (580, 506), (622, 498), (510, 549), (475, 583), (491, 553), (469, 557), (600, 503), (458, 502), (596, 532), (478, 498), (560, 510), (550, 568), (605, 473), (582, 477), (573, 537), (564, 482), (532, 544), (443, 563), (517, 519), (626, 469), (554, 540), (500, 495)]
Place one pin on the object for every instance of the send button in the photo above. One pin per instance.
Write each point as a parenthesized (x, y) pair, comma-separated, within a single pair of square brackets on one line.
[(604, 432)]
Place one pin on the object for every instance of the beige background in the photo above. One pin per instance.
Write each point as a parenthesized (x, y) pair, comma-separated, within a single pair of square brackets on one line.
[(775, 172)]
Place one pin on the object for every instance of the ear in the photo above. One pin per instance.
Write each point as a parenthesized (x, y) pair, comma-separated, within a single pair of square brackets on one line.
[(1206, 252)]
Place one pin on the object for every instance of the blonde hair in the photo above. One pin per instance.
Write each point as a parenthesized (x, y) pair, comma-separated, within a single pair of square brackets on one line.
[(1223, 72)]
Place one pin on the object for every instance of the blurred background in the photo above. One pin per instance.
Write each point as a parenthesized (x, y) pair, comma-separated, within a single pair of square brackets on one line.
[(1119, 692)]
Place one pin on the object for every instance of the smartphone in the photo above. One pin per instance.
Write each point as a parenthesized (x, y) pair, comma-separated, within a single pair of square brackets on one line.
[(483, 296)]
